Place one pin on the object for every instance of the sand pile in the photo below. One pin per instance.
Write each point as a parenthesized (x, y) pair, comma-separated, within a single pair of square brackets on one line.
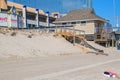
[(20, 45)]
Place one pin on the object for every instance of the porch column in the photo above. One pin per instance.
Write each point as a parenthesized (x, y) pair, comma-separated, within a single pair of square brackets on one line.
[(47, 19), (24, 17), (0, 10), (37, 17)]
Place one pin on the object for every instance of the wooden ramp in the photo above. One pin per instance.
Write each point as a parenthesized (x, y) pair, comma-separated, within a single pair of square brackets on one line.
[(84, 46), (83, 49), (67, 34)]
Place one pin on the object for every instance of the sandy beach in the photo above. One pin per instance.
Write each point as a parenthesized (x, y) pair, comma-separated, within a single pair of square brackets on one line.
[(20, 46), (47, 57)]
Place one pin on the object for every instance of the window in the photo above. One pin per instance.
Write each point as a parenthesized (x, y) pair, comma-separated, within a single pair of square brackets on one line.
[(83, 22), (29, 25), (64, 23), (73, 22)]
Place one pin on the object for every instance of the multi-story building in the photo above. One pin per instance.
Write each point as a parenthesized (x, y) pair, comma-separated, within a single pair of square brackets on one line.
[(22, 16)]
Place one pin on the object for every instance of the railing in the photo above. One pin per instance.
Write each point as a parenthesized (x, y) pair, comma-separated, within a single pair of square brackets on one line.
[(108, 29), (57, 30), (116, 29), (41, 23), (69, 30), (105, 33)]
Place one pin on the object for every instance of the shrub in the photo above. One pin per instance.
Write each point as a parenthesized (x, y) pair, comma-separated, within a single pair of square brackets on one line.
[(13, 34)]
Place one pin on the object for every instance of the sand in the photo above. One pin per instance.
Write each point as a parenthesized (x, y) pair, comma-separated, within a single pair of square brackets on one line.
[(20, 46), (26, 44), (44, 62)]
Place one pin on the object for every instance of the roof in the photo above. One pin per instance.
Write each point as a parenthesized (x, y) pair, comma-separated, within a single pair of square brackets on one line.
[(80, 15), (19, 7)]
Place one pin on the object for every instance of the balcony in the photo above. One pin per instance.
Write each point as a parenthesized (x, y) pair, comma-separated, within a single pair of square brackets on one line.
[(33, 22)]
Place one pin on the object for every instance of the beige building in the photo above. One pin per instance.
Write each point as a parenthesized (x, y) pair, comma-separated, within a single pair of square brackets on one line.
[(85, 19), (56, 14), (26, 17)]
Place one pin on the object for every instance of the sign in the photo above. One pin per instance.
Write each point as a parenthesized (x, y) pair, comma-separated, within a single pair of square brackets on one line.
[(14, 21), (3, 19), (10, 20)]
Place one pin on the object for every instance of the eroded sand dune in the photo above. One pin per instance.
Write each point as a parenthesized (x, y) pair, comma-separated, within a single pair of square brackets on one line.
[(39, 45)]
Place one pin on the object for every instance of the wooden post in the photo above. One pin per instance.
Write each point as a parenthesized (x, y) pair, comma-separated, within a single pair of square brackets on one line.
[(56, 29), (0, 10), (116, 43), (108, 43), (112, 42), (73, 35)]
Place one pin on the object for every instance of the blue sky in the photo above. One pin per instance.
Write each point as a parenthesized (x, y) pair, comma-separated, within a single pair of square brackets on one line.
[(103, 8)]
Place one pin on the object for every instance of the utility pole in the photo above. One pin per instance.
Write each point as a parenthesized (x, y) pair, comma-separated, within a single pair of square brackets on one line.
[(114, 10), (117, 21), (89, 3)]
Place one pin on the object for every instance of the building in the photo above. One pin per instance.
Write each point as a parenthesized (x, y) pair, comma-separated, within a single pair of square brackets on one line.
[(57, 15), (85, 19), (22, 16)]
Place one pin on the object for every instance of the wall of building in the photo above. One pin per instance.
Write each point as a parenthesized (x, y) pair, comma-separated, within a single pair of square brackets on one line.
[(88, 27), (9, 20)]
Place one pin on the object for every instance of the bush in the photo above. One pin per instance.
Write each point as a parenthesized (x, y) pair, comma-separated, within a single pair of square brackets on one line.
[(13, 34), (29, 36)]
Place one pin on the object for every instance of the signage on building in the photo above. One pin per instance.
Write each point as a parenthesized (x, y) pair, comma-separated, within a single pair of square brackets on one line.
[(14, 21), (3, 19), (11, 20)]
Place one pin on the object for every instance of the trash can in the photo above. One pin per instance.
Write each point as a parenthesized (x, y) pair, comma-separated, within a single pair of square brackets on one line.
[(118, 48)]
